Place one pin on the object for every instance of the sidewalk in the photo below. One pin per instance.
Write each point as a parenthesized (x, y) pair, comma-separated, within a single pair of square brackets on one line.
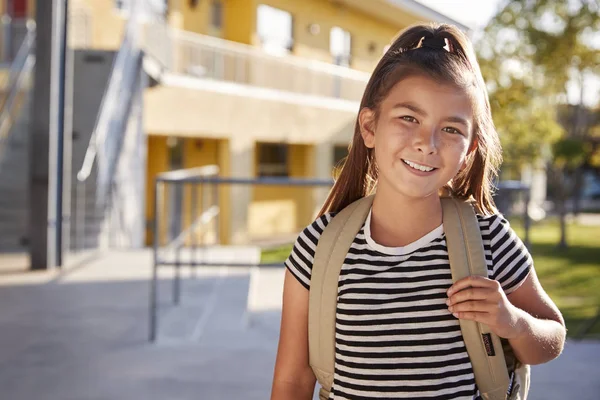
[(83, 334)]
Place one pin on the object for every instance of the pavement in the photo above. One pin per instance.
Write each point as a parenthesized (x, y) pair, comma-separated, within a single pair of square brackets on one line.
[(82, 333)]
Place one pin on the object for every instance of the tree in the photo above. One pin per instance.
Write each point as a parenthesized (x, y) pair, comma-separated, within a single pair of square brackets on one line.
[(531, 51)]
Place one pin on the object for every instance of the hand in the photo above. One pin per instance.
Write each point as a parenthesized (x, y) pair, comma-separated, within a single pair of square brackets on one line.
[(483, 300)]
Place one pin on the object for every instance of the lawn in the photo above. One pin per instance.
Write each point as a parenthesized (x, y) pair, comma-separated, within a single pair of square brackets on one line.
[(571, 277), (276, 255)]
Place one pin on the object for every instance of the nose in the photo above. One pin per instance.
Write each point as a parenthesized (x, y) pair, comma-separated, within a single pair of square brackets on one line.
[(426, 141)]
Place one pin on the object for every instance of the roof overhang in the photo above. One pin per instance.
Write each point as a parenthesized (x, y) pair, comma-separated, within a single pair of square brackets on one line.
[(401, 12)]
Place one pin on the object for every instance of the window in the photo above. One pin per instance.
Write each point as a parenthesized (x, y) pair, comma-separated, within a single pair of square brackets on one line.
[(216, 14), (275, 30), (148, 9), (272, 159), (339, 153), (340, 46)]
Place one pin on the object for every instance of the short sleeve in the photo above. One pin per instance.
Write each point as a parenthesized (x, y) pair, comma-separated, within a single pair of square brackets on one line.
[(300, 260), (510, 259)]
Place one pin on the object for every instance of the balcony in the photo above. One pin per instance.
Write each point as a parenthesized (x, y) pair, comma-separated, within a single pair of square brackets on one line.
[(193, 56)]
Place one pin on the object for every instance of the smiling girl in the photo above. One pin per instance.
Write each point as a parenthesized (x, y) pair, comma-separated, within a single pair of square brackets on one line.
[(424, 127)]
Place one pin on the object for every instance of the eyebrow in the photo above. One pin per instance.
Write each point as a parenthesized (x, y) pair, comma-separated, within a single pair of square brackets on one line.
[(413, 107)]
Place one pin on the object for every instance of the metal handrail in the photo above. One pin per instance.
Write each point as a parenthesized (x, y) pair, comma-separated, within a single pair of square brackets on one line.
[(19, 63), (10, 31), (182, 174), (22, 63), (107, 105), (205, 218)]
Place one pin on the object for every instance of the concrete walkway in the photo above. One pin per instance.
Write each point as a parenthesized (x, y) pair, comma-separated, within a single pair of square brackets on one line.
[(82, 334)]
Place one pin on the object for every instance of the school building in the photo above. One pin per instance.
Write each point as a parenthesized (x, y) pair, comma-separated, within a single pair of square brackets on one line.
[(259, 88)]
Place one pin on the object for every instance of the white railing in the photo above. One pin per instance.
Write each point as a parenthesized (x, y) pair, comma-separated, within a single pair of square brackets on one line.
[(12, 34), (190, 54), (17, 88), (96, 178)]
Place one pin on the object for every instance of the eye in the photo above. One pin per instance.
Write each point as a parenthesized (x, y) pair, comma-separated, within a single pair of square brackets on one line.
[(452, 130), (408, 118)]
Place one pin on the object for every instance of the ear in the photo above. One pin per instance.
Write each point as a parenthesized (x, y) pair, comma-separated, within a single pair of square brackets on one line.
[(366, 122)]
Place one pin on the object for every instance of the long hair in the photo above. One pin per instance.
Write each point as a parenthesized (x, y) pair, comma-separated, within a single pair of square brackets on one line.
[(457, 66)]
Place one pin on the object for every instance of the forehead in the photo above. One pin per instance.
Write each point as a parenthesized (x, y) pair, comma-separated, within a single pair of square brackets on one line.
[(434, 97)]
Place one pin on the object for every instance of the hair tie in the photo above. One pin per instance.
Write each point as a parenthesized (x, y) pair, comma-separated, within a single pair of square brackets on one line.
[(434, 42)]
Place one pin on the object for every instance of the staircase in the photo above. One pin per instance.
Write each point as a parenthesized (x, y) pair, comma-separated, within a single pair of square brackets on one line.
[(15, 106), (14, 182)]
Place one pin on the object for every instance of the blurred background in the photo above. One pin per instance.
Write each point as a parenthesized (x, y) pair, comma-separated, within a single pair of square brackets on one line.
[(159, 157)]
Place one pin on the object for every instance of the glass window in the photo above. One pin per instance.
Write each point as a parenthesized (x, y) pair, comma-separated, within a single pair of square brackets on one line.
[(272, 159), (340, 46), (147, 9), (216, 14), (340, 152), (275, 30)]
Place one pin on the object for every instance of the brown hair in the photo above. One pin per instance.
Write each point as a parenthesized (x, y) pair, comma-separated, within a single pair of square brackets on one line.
[(457, 66)]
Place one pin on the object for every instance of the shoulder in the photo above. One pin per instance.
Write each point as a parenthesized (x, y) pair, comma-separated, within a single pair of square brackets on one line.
[(314, 231), (301, 258), (492, 223), (510, 258), (496, 228)]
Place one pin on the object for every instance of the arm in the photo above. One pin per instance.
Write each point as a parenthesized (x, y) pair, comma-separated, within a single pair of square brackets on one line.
[(541, 325), (527, 317), (293, 378)]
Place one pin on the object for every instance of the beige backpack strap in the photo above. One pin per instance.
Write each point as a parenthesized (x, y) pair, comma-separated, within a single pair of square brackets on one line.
[(330, 254), (466, 254)]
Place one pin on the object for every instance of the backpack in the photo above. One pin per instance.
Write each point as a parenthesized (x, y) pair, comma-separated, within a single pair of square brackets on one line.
[(491, 366)]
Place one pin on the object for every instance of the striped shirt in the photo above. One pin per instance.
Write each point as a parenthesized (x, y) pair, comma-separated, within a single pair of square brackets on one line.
[(395, 337)]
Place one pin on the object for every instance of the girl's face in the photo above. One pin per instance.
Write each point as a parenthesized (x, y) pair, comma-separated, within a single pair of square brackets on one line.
[(421, 137)]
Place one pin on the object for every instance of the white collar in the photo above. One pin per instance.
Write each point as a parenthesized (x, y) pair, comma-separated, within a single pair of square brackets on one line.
[(399, 251)]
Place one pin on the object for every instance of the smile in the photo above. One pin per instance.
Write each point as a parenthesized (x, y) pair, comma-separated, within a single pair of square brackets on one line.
[(418, 166)]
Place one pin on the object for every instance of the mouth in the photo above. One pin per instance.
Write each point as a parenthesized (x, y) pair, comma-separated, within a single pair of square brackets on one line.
[(418, 167)]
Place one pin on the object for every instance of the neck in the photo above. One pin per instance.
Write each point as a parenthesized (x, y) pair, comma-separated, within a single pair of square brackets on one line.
[(397, 220)]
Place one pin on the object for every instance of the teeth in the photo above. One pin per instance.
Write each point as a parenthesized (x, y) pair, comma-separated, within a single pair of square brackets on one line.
[(417, 166)]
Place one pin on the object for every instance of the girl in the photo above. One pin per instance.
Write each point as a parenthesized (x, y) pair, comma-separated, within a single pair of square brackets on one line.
[(424, 127)]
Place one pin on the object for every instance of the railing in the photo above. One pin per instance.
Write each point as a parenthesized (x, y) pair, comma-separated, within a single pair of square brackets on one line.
[(200, 56), (12, 34), (189, 248), (96, 176), (18, 77)]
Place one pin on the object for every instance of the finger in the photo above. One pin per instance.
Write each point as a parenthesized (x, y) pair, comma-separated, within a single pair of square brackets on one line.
[(473, 316), (471, 294), (473, 306), (471, 281)]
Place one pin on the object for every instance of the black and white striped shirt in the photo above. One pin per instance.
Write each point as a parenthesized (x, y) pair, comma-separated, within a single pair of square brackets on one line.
[(395, 337)]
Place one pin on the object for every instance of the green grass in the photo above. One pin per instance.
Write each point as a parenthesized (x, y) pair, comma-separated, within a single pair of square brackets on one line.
[(276, 255), (570, 276)]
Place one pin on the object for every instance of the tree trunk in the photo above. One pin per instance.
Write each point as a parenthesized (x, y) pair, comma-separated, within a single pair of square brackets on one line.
[(560, 202), (577, 188)]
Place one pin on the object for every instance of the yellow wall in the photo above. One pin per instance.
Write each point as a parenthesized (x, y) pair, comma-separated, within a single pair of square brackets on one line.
[(194, 19), (239, 20), (280, 210), (363, 29), (197, 152), (105, 24), (157, 162), (224, 157)]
